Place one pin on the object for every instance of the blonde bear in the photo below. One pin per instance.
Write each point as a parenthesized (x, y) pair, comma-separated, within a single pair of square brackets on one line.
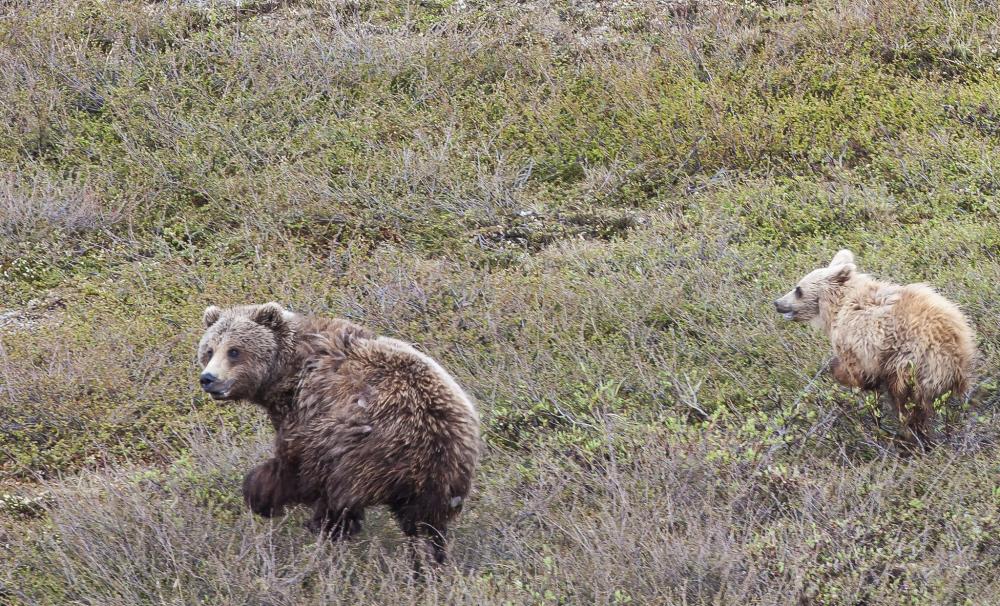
[(906, 341)]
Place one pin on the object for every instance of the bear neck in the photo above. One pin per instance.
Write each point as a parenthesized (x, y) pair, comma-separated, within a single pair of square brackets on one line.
[(277, 392), (833, 300), (830, 304), (278, 396), (306, 338)]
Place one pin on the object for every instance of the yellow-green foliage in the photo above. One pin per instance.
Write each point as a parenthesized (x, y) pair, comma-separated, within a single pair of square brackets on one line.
[(584, 209)]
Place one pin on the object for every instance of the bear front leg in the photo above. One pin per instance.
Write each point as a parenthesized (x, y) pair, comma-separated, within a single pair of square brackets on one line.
[(843, 368), (268, 488), (336, 523)]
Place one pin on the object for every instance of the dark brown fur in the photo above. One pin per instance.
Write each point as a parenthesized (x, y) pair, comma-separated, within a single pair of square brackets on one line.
[(360, 421), (267, 490)]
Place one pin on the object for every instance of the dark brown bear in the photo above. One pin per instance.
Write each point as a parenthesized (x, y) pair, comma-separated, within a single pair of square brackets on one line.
[(361, 420)]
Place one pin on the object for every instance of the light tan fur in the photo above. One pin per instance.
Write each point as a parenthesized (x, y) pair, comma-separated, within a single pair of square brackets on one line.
[(907, 341)]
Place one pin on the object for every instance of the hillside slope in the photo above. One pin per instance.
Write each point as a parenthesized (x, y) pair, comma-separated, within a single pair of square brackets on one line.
[(583, 209)]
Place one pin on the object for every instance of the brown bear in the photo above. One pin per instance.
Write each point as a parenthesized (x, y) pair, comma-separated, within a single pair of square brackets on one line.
[(361, 420), (908, 341)]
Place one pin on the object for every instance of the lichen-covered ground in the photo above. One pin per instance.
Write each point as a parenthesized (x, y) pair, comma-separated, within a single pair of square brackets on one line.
[(583, 209)]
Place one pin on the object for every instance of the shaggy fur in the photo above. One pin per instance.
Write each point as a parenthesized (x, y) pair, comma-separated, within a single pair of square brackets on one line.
[(361, 420), (907, 341)]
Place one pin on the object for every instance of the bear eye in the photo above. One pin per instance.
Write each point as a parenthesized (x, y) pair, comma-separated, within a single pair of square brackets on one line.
[(209, 353), (798, 291), (233, 353)]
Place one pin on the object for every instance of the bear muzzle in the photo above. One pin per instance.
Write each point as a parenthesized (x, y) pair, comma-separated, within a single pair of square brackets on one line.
[(219, 390), (785, 310)]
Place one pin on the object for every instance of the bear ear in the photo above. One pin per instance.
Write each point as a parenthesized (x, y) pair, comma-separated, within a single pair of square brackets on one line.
[(842, 273), (843, 257), (211, 315), (271, 315)]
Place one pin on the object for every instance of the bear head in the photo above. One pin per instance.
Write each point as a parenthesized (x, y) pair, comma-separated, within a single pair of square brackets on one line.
[(241, 347), (802, 303)]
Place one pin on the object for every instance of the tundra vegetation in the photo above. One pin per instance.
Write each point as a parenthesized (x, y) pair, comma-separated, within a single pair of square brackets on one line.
[(584, 210)]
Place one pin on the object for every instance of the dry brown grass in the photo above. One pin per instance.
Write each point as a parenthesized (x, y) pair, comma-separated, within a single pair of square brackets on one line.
[(34, 207), (657, 518)]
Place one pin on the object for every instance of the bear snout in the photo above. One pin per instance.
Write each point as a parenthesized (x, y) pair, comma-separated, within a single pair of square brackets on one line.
[(784, 309), (214, 386), (207, 379)]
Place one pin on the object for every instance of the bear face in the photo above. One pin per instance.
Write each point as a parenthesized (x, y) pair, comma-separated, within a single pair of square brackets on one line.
[(239, 347), (804, 302)]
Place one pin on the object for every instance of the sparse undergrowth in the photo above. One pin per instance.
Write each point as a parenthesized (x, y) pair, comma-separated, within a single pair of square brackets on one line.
[(669, 522), (584, 209)]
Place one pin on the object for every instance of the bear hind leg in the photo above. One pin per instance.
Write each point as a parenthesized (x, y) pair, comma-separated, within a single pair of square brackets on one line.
[(426, 533), (434, 537), (918, 425), (913, 412)]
